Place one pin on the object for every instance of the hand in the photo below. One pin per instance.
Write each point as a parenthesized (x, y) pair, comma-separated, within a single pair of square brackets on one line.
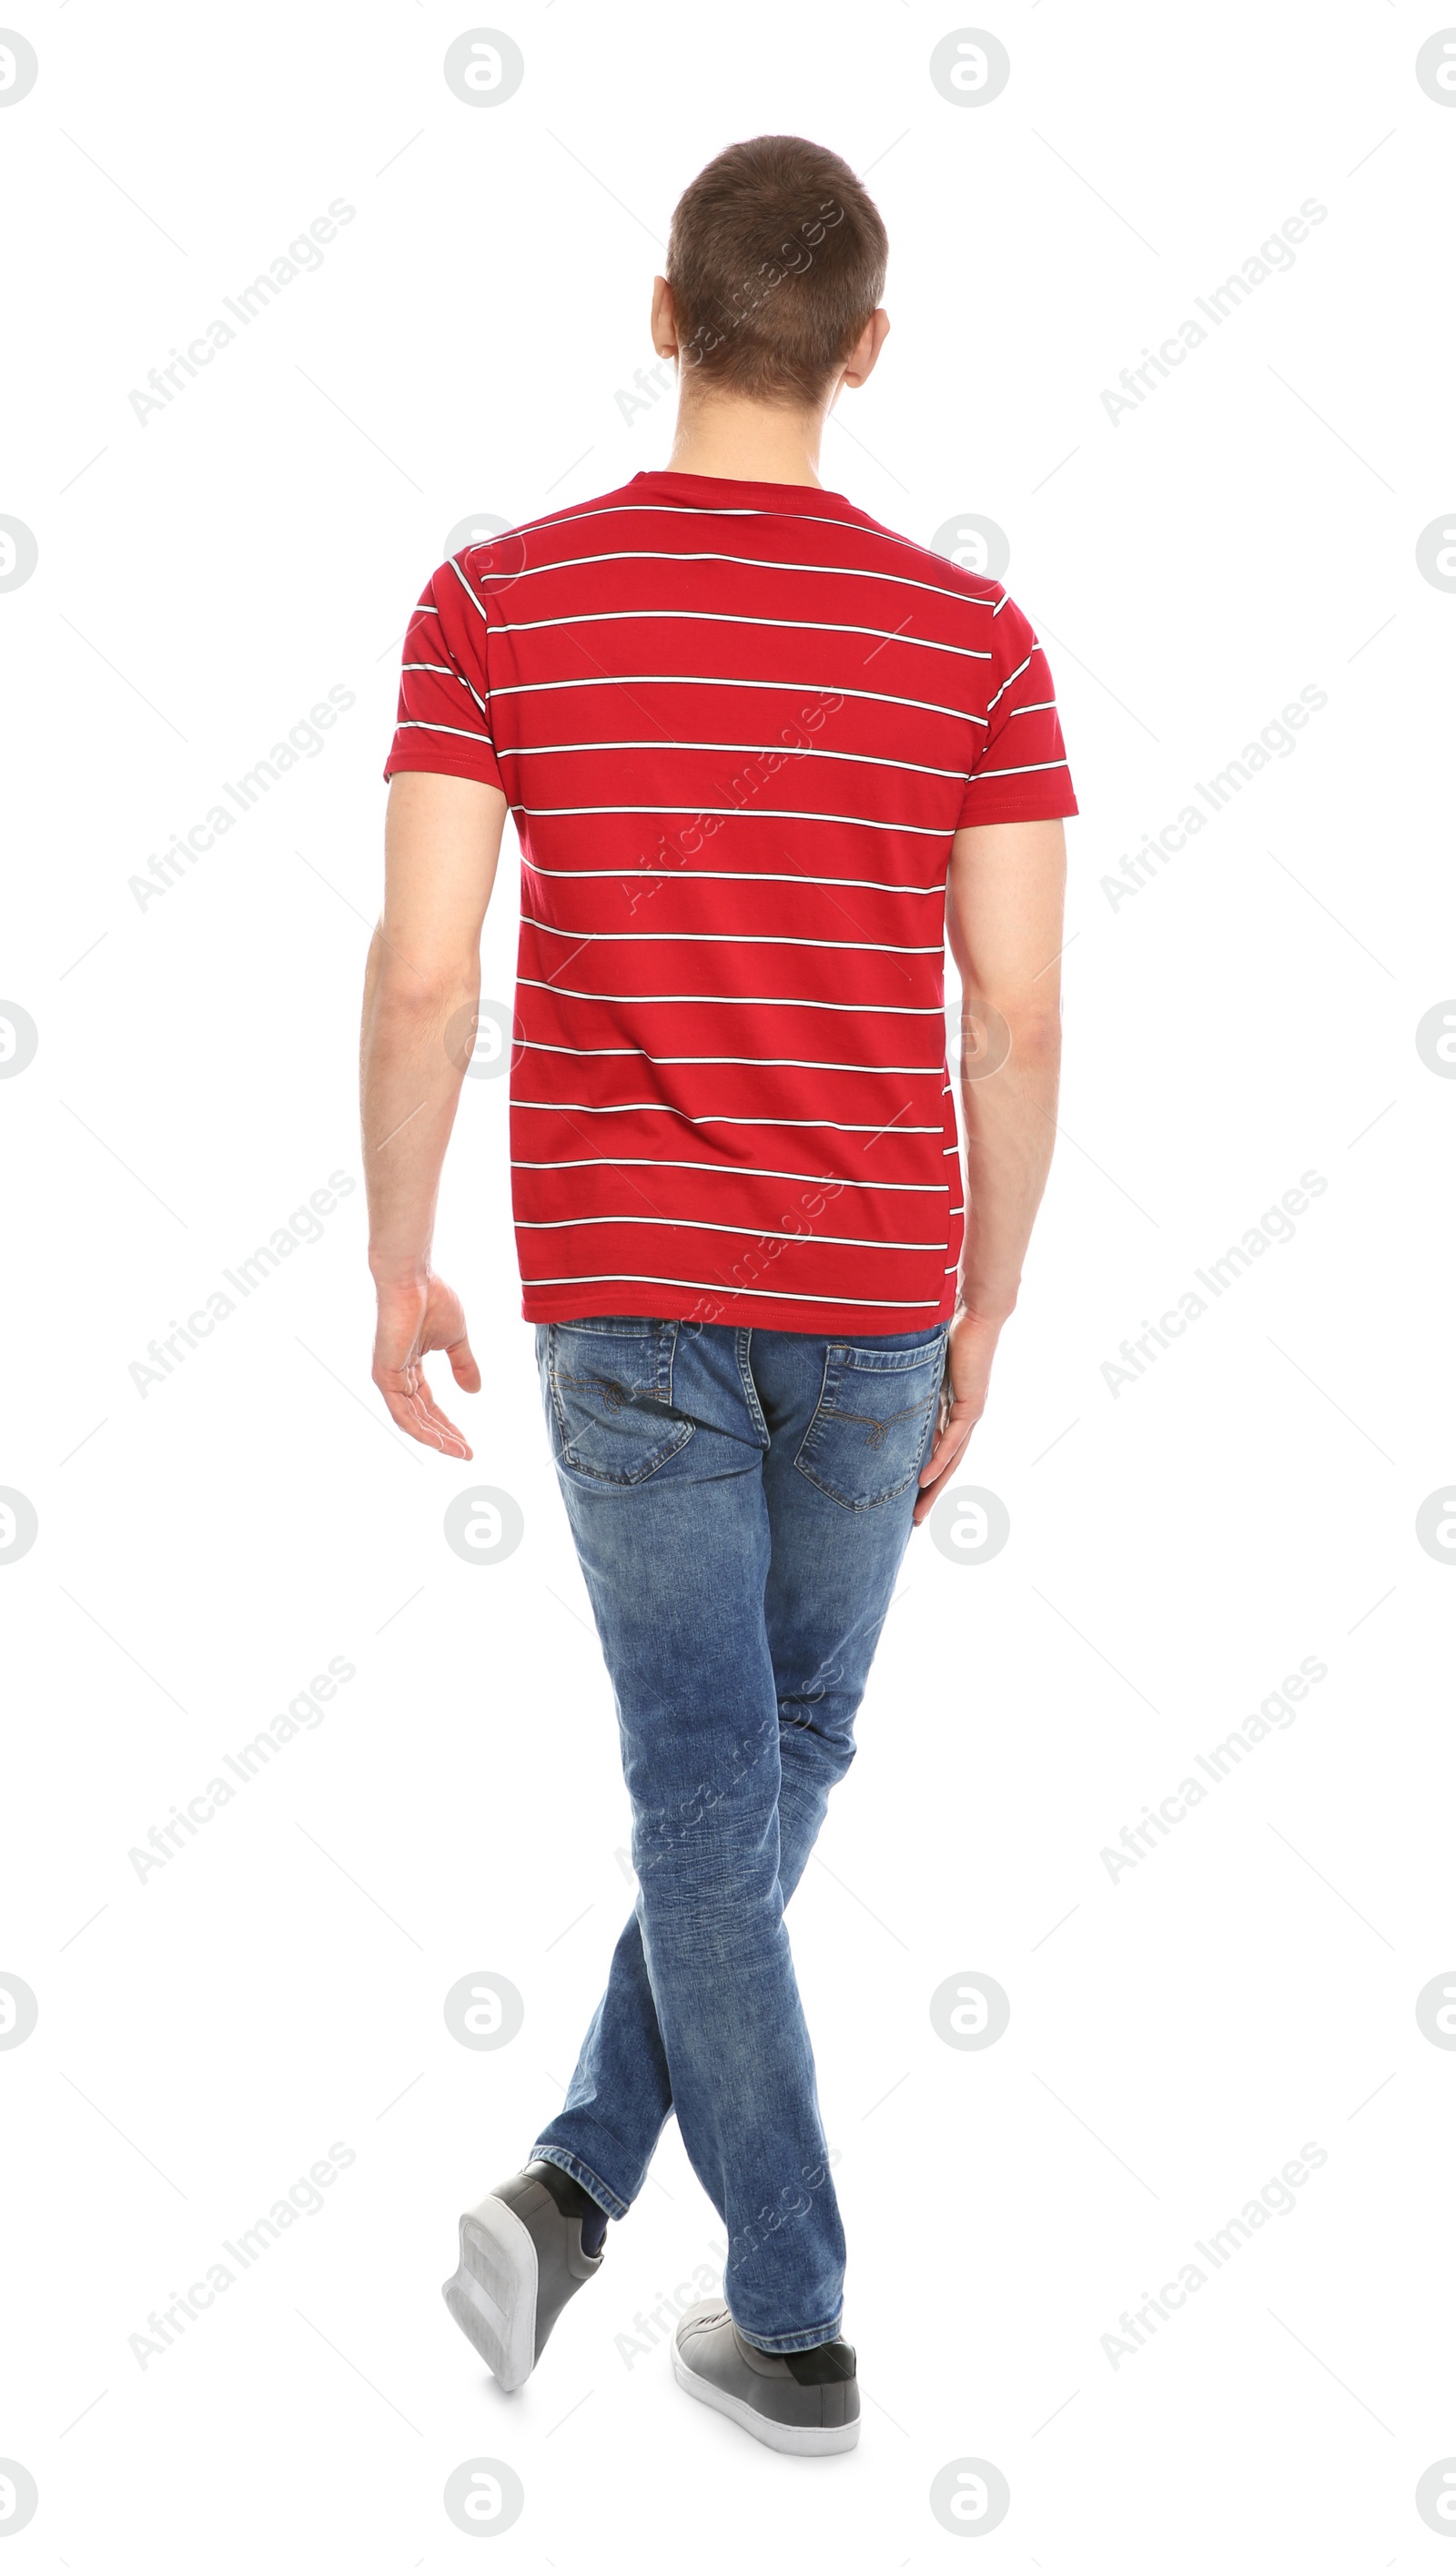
[(973, 1343), (418, 1319)]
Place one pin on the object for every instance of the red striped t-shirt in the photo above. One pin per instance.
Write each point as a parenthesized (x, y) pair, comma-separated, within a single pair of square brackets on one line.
[(737, 724)]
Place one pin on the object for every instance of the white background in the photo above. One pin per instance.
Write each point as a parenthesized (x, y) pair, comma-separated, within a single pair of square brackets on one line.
[(1177, 2034)]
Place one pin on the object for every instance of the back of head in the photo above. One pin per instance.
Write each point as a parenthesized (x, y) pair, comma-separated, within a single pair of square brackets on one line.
[(776, 260)]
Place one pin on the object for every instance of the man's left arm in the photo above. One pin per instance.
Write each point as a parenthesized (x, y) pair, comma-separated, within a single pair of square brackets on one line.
[(1003, 920)]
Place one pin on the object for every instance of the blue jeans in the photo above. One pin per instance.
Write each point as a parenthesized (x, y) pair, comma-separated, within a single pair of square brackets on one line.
[(740, 1501)]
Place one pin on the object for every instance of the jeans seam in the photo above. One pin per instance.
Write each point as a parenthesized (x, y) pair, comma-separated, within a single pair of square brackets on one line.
[(803, 2341), (667, 1345), (818, 1405), (552, 1392), (751, 1387)]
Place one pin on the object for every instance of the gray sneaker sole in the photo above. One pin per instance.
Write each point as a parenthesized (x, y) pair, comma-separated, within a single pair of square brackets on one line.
[(806, 2442), (492, 2295)]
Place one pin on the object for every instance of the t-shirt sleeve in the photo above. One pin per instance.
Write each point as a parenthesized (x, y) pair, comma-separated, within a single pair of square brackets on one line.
[(444, 726), (1022, 771)]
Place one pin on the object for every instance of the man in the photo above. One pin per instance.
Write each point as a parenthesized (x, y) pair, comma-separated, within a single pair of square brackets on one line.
[(764, 755)]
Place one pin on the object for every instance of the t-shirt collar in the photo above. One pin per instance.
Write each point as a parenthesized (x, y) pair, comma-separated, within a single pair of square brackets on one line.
[(712, 489)]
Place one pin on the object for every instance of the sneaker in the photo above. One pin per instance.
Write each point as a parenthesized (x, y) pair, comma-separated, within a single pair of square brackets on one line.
[(521, 2260), (794, 2401)]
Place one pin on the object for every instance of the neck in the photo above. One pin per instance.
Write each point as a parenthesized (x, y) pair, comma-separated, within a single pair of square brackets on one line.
[(731, 438)]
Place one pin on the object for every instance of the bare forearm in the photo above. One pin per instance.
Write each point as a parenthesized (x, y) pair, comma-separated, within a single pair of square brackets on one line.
[(1004, 911), (410, 1086), (1011, 1130)]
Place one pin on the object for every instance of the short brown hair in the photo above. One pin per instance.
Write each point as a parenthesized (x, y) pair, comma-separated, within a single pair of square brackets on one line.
[(776, 260)]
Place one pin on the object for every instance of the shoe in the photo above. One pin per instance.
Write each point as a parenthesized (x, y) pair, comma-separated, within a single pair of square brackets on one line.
[(768, 2393), (521, 2260)]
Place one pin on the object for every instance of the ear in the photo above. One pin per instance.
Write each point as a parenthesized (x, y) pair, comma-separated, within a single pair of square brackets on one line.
[(861, 359), (664, 319)]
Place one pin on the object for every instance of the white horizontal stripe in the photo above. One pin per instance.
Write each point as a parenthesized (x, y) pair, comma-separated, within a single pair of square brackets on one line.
[(673, 508), (989, 774), (728, 1229), (422, 609), (677, 873), (716, 1168), (634, 936), (718, 811), (745, 747), (760, 623), (750, 561), (776, 1122), (728, 1060), (699, 508), (1047, 707), (735, 1292), (452, 727), (706, 998), (1011, 680), (775, 686)]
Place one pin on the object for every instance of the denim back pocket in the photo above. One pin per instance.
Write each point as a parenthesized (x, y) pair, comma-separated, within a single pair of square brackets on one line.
[(610, 1385), (870, 1432)]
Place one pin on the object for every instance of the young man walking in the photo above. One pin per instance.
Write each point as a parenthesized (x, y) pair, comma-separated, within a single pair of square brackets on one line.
[(764, 756)]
